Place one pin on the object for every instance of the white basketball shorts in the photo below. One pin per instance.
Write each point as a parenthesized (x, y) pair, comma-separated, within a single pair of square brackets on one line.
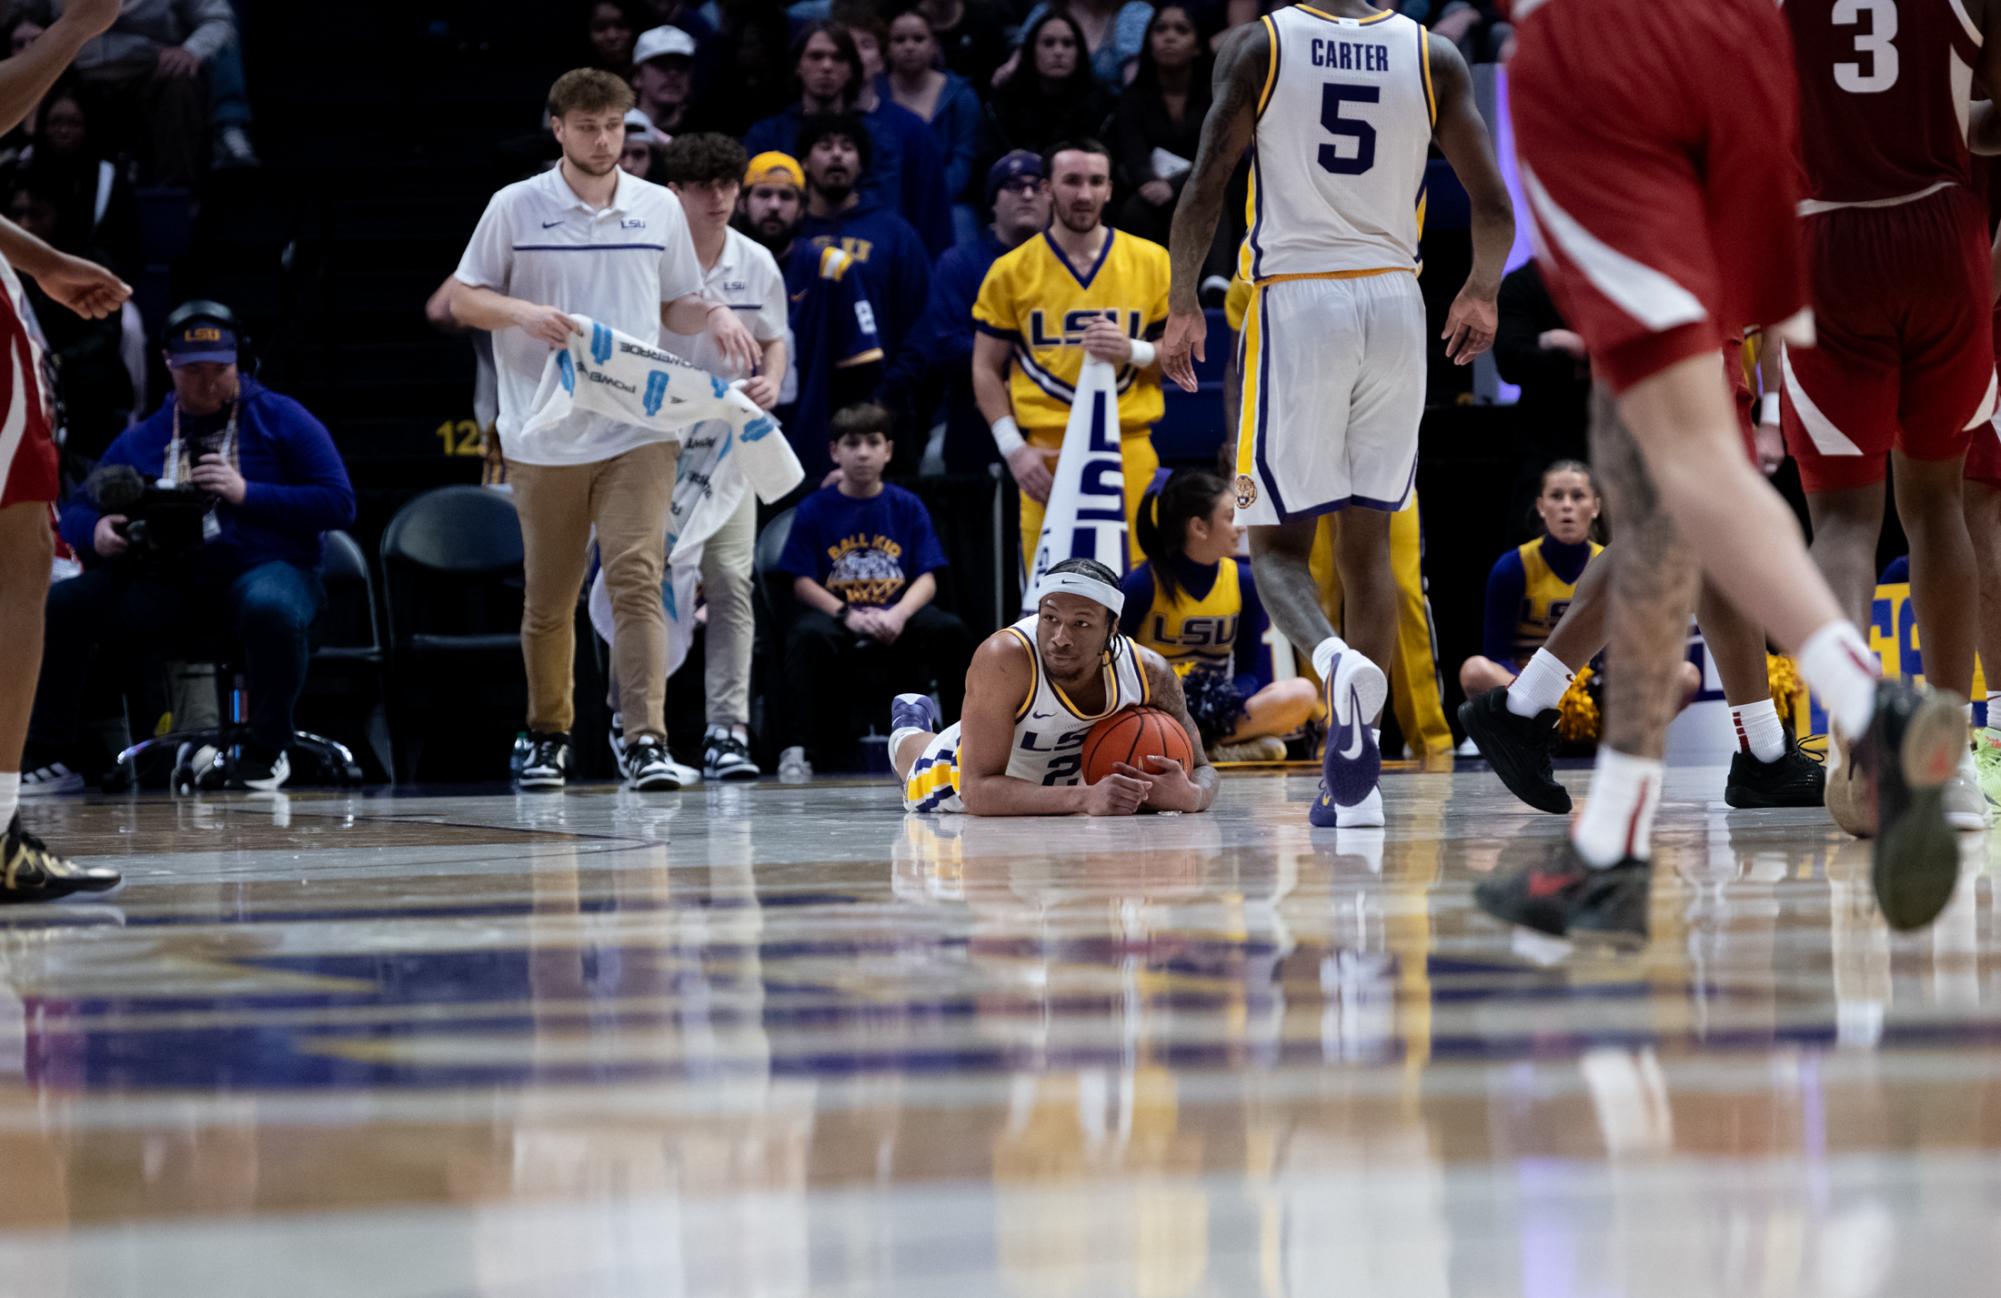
[(1333, 375)]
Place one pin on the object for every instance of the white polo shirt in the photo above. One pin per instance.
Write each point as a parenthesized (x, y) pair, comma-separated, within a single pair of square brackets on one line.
[(747, 279), (541, 243)]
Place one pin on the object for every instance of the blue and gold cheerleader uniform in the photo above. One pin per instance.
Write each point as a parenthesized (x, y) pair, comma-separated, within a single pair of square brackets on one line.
[(1209, 633)]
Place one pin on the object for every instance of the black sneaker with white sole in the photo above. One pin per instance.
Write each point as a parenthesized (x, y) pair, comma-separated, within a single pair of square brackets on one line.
[(725, 757), (646, 767), (546, 764)]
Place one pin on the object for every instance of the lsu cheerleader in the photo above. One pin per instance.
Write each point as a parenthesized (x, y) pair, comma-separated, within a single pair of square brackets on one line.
[(1194, 603), (1530, 586)]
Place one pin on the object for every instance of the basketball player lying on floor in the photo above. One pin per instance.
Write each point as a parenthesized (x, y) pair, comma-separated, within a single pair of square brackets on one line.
[(1033, 693)]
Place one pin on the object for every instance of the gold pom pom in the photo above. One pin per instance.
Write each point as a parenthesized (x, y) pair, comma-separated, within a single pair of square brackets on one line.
[(1784, 677), (1577, 713)]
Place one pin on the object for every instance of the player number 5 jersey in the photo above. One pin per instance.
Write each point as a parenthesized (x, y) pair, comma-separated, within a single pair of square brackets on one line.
[(1343, 134)]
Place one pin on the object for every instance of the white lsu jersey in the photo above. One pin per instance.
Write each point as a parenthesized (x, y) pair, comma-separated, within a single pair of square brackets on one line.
[(1049, 730), (1338, 158)]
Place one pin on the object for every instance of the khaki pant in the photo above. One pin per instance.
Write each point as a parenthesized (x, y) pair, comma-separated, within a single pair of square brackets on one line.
[(726, 576), (627, 498)]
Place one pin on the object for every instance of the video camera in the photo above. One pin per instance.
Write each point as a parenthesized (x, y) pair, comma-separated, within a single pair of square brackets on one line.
[(163, 523)]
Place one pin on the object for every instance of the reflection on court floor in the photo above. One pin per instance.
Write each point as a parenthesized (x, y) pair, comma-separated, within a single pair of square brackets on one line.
[(789, 1041)]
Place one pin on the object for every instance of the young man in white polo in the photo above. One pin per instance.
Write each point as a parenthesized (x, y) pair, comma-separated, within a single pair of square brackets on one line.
[(587, 238), (705, 171)]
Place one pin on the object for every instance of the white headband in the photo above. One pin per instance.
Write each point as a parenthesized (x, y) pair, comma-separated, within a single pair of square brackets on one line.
[(1077, 583)]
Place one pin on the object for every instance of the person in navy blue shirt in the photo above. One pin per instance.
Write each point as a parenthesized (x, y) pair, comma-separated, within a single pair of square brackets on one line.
[(907, 174), (893, 263), (836, 355), (276, 485), (939, 354), (862, 555)]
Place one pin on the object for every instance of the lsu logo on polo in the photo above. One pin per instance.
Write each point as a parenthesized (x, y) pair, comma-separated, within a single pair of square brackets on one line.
[(656, 392)]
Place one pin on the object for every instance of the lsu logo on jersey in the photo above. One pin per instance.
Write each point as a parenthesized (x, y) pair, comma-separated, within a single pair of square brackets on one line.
[(1197, 632), (1065, 755), (1040, 333), (858, 249)]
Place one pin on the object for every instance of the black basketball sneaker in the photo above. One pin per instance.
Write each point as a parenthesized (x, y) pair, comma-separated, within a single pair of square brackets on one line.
[(1794, 779), (1912, 748), (29, 871), (1518, 748), (1563, 897)]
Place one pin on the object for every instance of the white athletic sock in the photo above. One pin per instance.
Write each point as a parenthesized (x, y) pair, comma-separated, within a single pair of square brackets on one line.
[(10, 797), (1323, 655), (1618, 817), (901, 733), (1758, 730), (1541, 685), (1836, 663)]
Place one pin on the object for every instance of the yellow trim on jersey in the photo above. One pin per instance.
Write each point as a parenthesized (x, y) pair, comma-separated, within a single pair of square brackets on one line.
[(1337, 18), (1271, 69), (1334, 274), (1430, 95), (1145, 677), (1111, 674), (872, 354), (932, 778), (1034, 671), (833, 262), (1247, 413)]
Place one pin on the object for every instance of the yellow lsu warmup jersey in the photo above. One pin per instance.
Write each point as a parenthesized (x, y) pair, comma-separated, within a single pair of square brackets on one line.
[(1190, 630), (1545, 596), (1038, 303)]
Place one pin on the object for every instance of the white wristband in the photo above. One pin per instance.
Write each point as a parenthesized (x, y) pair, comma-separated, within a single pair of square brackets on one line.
[(1143, 353), (1007, 436), (1768, 408)]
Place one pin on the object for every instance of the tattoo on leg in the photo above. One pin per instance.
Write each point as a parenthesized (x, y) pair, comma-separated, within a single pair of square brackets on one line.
[(1653, 593), (1281, 560)]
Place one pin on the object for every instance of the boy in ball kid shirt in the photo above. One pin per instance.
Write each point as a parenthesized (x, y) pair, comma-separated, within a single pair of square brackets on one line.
[(1033, 693), (587, 238), (862, 555)]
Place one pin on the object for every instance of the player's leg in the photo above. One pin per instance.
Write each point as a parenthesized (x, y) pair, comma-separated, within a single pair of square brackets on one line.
[(1846, 524), (1601, 883), (1766, 770), (1368, 586), (1932, 507), (1982, 494), (28, 870)]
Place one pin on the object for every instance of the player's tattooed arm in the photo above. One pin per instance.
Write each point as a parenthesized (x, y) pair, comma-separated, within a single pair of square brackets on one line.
[(1173, 788), (1242, 64), (1462, 136)]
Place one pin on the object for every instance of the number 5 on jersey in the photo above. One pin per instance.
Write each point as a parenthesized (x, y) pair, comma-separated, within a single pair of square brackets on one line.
[(1333, 96)]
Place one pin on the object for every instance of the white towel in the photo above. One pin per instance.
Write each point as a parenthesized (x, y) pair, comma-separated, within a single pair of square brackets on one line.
[(1086, 517), (727, 445)]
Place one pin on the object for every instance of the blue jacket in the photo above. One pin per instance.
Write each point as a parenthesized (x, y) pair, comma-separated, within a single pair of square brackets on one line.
[(940, 355), (958, 126), (297, 485), (894, 266), (904, 172)]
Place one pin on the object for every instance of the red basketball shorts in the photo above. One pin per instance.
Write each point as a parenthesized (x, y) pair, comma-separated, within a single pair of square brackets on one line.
[(1905, 349), (29, 468), (1656, 146)]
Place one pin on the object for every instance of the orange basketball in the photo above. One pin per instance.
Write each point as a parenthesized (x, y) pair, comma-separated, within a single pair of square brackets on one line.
[(1131, 735)]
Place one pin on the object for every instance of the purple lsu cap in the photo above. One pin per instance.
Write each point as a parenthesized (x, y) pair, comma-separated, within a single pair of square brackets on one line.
[(1011, 167), (201, 340)]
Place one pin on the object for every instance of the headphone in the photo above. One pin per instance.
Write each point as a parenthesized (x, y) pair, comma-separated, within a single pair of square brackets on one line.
[(202, 308)]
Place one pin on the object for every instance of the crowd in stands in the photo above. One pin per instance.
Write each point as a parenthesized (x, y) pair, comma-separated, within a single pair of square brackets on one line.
[(872, 161)]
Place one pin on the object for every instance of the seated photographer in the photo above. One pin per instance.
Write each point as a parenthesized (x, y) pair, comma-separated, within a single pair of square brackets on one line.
[(204, 529)]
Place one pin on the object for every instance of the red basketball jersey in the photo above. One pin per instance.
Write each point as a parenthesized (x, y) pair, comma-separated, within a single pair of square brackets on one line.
[(1884, 91)]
